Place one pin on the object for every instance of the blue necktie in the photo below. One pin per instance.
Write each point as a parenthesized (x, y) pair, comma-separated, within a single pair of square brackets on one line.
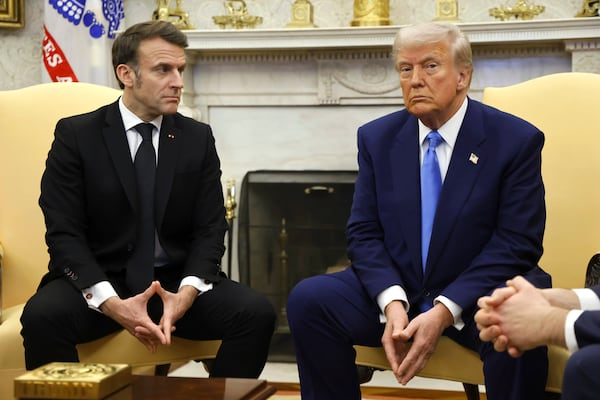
[(431, 184), (140, 271)]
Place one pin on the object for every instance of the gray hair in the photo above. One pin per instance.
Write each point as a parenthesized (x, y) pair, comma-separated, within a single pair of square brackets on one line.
[(435, 32)]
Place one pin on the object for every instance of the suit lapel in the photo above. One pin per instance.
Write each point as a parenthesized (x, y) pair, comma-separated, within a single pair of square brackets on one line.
[(468, 159), (118, 148), (169, 147), (405, 172)]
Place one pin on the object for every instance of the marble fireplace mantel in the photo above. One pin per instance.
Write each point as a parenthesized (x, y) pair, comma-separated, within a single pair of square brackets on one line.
[(292, 99), (506, 32)]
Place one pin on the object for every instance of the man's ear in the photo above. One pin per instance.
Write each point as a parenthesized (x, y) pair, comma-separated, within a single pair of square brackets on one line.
[(464, 78), (125, 74)]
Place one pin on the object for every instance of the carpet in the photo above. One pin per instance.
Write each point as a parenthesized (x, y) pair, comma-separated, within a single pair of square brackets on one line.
[(291, 391)]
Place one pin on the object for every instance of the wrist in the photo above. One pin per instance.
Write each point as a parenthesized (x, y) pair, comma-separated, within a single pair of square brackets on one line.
[(554, 326)]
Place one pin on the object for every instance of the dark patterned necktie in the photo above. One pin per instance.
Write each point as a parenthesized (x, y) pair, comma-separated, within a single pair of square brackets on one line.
[(431, 184), (140, 271)]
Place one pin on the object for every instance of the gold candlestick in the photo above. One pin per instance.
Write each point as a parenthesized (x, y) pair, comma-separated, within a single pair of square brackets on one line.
[(521, 10), (371, 13), (302, 15)]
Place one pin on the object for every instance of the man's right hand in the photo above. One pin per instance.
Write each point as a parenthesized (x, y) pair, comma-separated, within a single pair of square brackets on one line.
[(132, 314), (395, 348)]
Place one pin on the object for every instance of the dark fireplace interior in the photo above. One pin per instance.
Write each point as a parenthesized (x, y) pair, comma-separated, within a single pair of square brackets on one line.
[(291, 226)]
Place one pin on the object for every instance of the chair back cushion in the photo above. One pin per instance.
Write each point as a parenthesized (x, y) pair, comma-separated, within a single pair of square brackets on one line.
[(28, 117), (566, 107)]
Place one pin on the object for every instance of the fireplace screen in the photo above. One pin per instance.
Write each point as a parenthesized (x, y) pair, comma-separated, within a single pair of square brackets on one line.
[(291, 226)]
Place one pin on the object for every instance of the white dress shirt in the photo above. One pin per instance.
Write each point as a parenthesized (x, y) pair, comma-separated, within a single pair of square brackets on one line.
[(589, 301)]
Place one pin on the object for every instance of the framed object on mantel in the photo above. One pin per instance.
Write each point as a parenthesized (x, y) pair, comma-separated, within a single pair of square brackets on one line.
[(12, 13)]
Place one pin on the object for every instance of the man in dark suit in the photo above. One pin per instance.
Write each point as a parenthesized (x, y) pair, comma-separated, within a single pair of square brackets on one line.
[(520, 317), (95, 210), (487, 227)]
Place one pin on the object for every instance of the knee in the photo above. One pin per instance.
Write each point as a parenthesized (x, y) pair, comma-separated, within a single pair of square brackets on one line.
[(304, 298), (34, 315), (580, 374)]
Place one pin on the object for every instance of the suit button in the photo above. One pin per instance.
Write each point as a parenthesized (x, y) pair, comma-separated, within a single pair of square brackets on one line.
[(130, 247)]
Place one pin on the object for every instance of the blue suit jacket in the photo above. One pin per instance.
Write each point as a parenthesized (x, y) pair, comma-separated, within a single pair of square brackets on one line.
[(490, 219), (587, 326)]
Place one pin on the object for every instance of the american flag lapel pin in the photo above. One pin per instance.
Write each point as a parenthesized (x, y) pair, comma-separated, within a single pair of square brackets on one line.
[(474, 158)]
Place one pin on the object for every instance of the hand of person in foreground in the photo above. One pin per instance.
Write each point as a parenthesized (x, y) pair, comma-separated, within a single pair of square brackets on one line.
[(519, 318)]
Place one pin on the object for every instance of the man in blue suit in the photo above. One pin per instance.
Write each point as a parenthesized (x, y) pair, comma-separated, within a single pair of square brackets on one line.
[(488, 227), (520, 317)]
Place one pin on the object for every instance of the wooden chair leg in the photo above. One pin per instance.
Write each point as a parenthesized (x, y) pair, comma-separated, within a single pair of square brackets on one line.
[(162, 369), (472, 391)]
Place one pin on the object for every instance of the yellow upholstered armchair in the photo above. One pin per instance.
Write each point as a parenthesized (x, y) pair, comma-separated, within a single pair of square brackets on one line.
[(566, 107), (27, 120)]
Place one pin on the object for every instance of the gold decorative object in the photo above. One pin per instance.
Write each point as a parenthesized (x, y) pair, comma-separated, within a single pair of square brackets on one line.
[(590, 8), (176, 16), (230, 203), (521, 10), (238, 17), (302, 15), (446, 10), (230, 206), (371, 13)]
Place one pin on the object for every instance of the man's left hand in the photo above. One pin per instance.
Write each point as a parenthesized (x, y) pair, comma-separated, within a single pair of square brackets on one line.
[(425, 331)]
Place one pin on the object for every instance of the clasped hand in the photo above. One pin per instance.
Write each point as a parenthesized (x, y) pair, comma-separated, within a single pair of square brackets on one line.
[(409, 345), (132, 313)]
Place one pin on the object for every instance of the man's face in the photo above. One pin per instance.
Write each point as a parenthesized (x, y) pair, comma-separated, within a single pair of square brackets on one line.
[(432, 86), (156, 87)]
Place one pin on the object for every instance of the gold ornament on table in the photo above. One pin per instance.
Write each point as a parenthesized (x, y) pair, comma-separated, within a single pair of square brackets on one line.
[(302, 15), (176, 16), (590, 8), (371, 13), (237, 17), (521, 10), (446, 10)]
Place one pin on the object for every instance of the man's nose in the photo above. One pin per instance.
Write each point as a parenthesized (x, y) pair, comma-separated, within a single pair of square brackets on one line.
[(416, 78)]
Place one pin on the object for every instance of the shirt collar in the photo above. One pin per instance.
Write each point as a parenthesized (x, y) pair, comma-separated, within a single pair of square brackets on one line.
[(130, 120), (448, 131)]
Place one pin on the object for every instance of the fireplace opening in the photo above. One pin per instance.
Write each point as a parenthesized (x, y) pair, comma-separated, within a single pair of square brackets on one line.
[(291, 226)]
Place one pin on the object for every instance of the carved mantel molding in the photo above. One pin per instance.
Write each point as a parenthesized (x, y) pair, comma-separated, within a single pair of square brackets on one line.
[(204, 42)]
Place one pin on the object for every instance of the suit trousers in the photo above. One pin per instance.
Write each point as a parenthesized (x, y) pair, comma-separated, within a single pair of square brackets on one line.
[(580, 380), (328, 314), (57, 318)]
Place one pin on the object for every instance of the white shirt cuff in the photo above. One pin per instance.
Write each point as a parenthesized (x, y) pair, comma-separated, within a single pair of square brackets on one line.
[(570, 338), (201, 285), (390, 294), (588, 299), (97, 294), (454, 309)]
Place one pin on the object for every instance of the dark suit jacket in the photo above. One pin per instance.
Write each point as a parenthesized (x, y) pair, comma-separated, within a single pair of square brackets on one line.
[(587, 326), (88, 197), (490, 219)]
